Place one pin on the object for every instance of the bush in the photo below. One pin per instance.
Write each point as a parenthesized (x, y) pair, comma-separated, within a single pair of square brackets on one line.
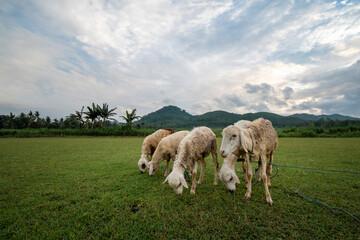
[(45, 132)]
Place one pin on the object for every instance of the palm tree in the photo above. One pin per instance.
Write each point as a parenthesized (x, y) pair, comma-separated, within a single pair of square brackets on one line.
[(93, 113), (47, 121), (11, 123), (130, 117), (106, 114), (79, 116)]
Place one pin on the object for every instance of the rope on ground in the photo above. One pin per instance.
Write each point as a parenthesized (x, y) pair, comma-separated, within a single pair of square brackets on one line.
[(317, 201), (310, 199), (187, 177), (317, 169)]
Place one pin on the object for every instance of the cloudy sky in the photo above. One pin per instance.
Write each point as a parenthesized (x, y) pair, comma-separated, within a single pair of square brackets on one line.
[(240, 56)]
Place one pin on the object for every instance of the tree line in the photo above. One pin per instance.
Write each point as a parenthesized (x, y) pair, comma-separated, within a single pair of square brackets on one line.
[(95, 117)]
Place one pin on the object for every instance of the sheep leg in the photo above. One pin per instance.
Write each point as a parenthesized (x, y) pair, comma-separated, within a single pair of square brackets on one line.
[(244, 170), (249, 176), (264, 178), (203, 165), (167, 167), (216, 163), (269, 168), (260, 166), (194, 172)]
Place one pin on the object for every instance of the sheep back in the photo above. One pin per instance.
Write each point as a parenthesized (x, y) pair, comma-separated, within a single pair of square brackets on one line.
[(169, 145), (198, 144), (151, 142), (242, 124), (264, 134)]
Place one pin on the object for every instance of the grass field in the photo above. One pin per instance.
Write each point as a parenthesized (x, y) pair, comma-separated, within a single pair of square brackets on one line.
[(89, 187)]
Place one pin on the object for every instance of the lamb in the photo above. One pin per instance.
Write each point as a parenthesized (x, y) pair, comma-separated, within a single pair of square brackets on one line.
[(197, 145), (166, 149), (149, 145), (256, 142)]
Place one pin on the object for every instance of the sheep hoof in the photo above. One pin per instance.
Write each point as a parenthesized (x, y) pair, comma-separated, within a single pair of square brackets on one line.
[(192, 192), (247, 195), (215, 183), (199, 182), (270, 202)]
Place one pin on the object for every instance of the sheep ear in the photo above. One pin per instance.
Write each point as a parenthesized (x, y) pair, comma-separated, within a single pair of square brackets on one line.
[(235, 177), (166, 179), (243, 141), (151, 169), (183, 182)]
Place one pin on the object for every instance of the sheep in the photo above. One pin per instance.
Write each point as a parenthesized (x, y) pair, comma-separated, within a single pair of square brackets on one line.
[(228, 168), (149, 145), (166, 149), (197, 145), (242, 124), (257, 142)]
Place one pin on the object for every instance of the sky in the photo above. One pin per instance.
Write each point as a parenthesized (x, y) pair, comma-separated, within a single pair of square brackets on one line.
[(243, 56)]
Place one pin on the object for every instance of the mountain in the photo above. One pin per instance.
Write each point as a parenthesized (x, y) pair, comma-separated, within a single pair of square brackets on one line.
[(174, 117), (311, 117), (169, 116), (215, 119)]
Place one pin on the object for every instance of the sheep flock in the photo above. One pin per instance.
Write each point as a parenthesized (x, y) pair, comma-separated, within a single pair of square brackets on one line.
[(244, 141)]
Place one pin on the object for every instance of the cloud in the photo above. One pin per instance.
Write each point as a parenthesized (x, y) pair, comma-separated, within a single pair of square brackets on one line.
[(336, 91), (279, 56), (288, 91), (263, 88)]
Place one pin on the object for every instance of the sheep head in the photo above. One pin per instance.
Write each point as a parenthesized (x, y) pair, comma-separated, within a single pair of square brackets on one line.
[(176, 181), (228, 176), (142, 163), (152, 168), (233, 141)]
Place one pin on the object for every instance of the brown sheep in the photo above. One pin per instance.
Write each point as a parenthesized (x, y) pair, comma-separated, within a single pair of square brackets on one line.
[(149, 145)]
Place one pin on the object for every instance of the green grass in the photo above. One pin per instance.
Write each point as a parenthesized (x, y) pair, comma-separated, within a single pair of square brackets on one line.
[(86, 187)]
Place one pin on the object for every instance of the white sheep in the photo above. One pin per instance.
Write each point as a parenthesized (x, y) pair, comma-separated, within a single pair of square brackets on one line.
[(242, 124), (166, 149), (149, 145), (197, 145), (227, 170), (256, 142)]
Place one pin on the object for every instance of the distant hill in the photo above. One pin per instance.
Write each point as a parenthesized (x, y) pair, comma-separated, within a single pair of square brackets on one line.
[(311, 117), (169, 116), (175, 117)]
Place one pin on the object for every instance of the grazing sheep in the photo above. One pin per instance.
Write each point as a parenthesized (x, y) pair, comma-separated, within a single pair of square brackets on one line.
[(227, 171), (166, 149), (149, 145), (256, 142), (242, 124), (197, 145)]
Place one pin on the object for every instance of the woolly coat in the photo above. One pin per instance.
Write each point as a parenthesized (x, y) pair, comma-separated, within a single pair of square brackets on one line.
[(151, 142), (168, 147), (264, 137), (197, 145)]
